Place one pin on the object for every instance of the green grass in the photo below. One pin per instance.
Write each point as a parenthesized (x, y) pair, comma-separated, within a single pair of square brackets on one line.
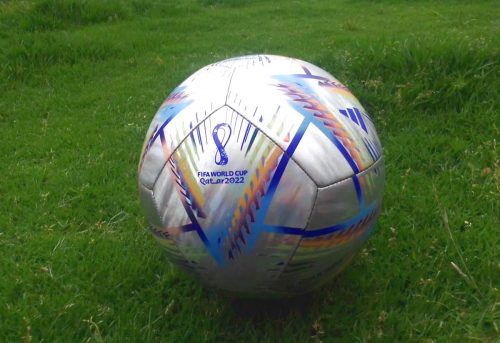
[(79, 83)]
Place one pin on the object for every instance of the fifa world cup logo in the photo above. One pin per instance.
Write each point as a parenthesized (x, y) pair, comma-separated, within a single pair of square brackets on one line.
[(221, 134)]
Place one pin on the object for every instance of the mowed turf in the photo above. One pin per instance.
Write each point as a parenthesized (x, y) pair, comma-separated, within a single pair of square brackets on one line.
[(79, 84)]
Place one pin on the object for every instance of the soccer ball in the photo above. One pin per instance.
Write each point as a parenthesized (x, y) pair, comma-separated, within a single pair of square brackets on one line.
[(262, 176)]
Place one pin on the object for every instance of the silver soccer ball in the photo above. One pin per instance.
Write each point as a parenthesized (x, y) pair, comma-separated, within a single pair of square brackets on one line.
[(261, 176)]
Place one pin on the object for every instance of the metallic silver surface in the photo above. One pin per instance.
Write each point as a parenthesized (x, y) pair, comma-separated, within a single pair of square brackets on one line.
[(170, 209), (261, 176), (372, 182), (151, 165), (334, 204), (283, 210), (256, 271), (323, 164)]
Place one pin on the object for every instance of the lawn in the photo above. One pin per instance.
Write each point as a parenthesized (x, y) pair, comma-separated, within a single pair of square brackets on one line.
[(80, 82)]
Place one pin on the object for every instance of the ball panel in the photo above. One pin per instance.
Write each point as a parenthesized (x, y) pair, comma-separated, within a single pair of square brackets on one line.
[(170, 209), (323, 162), (254, 94), (276, 90), (168, 128), (189, 104), (334, 204), (372, 183), (349, 199), (223, 171), (255, 273), (166, 236), (305, 274), (293, 199), (318, 259), (151, 164), (343, 127)]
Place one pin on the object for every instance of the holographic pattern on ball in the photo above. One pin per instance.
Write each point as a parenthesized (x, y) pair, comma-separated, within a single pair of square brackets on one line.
[(261, 176)]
